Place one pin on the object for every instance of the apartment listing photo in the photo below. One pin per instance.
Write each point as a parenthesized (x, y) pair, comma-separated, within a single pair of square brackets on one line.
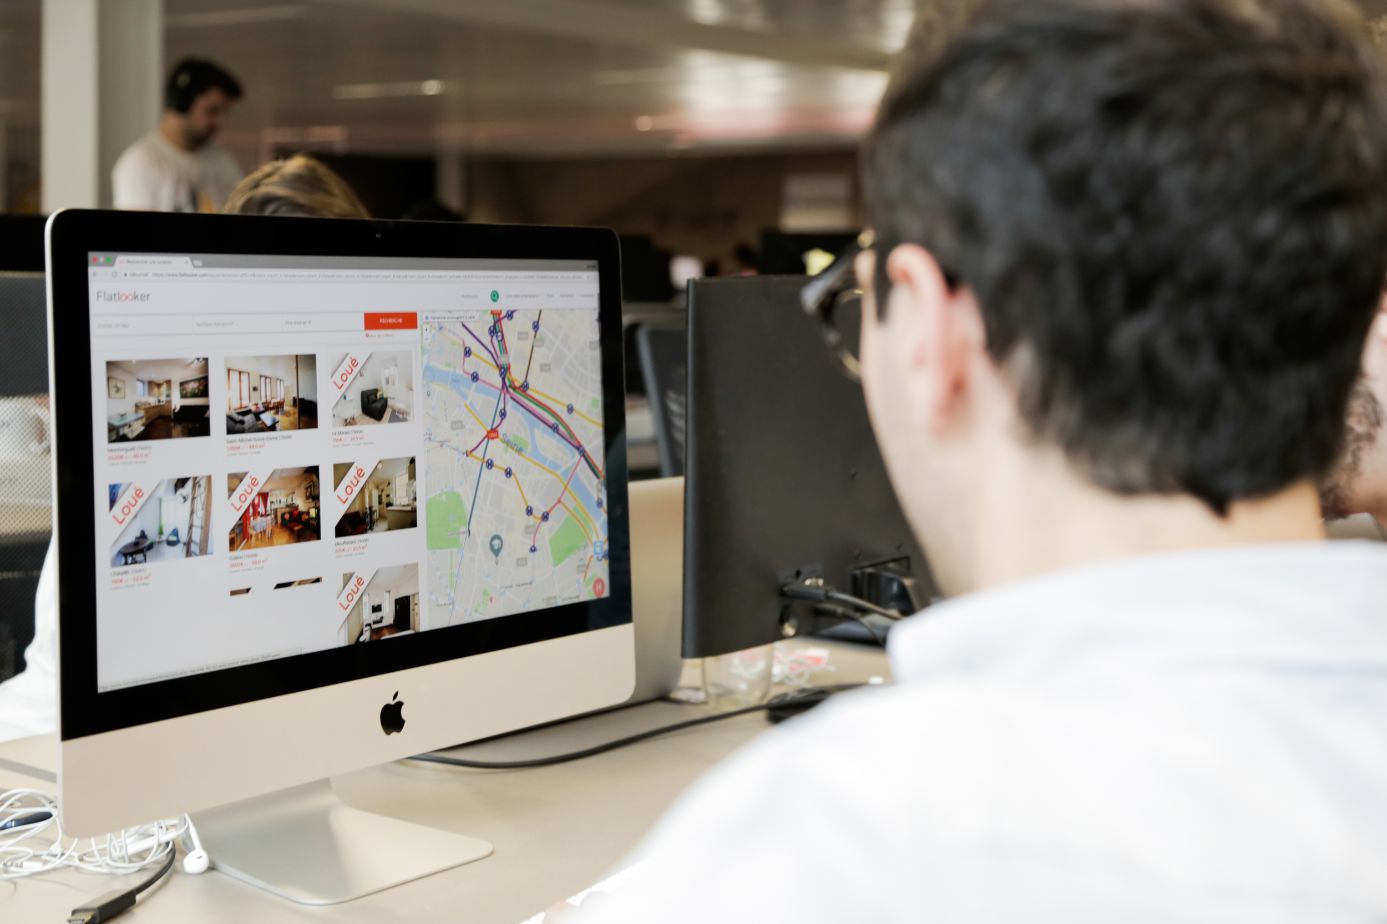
[(380, 605), (278, 509), (167, 521), (156, 399), (380, 391), (378, 499), (265, 393)]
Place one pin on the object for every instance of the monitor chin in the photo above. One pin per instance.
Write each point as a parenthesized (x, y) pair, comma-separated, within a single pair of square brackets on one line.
[(313, 735)]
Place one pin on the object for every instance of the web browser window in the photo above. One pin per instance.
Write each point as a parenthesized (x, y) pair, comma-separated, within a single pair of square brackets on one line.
[(299, 454)]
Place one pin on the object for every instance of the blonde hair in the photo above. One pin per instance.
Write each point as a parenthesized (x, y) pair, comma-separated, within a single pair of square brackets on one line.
[(299, 186)]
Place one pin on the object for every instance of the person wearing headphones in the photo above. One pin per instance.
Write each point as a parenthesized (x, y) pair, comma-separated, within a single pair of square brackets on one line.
[(177, 167)]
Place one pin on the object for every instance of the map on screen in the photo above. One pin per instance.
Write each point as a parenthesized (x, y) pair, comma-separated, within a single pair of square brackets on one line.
[(515, 501)]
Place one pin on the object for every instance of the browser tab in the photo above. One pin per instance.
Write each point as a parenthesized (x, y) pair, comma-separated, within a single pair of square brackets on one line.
[(152, 261)]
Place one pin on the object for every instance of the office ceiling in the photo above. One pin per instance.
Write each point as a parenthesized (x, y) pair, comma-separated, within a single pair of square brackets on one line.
[(548, 77), (525, 77)]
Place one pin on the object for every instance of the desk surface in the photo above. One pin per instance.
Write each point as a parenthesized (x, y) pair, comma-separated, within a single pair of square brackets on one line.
[(556, 830)]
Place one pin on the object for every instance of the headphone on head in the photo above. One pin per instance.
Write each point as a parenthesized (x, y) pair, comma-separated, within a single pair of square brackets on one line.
[(179, 95), (193, 77)]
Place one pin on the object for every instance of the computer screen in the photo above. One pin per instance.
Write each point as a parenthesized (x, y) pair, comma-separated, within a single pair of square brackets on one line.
[(309, 469), (783, 480), (278, 466)]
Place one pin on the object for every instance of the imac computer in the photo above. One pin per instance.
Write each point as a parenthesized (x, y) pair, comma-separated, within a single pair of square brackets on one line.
[(330, 493), (783, 481)]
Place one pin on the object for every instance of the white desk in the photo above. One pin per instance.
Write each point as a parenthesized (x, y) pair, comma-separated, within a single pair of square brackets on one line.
[(556, 830)]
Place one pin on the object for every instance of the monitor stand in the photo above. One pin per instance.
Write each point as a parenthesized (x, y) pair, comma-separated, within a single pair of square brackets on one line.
[(307, 845)]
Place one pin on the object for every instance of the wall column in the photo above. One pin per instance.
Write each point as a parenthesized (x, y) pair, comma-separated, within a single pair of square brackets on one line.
[(102, 82)]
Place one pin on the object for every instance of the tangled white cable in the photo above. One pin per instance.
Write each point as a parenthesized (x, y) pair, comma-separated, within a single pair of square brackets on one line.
[(32, 841)]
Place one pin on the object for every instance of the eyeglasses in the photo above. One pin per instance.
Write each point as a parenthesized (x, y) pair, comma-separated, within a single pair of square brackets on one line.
[(834, 300)]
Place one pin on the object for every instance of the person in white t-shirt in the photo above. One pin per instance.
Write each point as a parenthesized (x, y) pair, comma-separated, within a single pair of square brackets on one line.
[(177, 167), (1124, 259)]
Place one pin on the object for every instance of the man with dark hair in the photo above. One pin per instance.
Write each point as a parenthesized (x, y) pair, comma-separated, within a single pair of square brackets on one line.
[(1126, 255), (176, 167)]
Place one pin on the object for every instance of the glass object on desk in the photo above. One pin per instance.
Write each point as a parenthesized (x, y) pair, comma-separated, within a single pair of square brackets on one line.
[(739, 679)]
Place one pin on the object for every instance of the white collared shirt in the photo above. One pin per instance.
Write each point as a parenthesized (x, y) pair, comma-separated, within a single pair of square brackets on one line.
[(1189, 737)]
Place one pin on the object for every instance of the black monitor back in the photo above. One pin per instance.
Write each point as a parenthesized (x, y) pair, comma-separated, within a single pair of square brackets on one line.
[(25, 462), (783, 479)]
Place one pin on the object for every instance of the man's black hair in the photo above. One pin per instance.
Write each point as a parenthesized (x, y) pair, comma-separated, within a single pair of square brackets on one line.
[(192, 77), (1172, 216)]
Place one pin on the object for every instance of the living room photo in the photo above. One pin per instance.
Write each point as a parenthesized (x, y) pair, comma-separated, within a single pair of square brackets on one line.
[(278, 508), (156, 399), (376, 390), (378, 498), (380, 605), (265, 393), (168, 521)]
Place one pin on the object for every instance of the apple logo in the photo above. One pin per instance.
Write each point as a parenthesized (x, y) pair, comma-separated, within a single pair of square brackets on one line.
[(392, 715)]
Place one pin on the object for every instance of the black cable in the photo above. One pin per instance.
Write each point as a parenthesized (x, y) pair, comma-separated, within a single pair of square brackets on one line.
[(775, 701), (822, 593), (163, 871), (587, 752), (860, 604), (113, 903), (839, 612)]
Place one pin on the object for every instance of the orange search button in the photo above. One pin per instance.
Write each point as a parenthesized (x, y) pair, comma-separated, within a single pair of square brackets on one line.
[(392, 320)]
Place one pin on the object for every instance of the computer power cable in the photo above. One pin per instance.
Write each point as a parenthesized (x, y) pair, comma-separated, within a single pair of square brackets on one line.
[(814, 590), (781, 701)]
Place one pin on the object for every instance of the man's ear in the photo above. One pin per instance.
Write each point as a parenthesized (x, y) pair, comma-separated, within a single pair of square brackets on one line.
[(942, 330), (1375, 349)]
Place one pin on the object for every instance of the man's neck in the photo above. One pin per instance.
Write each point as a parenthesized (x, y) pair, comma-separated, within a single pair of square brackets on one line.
[(1039, 516), (171, 130)]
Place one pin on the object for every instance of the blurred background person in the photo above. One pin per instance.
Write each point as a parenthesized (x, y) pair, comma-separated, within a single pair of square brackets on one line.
[(177, 167)]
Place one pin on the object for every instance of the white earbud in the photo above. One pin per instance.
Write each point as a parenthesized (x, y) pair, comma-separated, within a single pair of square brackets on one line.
[(196, 860)]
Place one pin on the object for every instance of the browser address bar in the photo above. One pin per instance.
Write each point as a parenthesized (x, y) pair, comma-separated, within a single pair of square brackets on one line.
[(144, 325), (173, 272)]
